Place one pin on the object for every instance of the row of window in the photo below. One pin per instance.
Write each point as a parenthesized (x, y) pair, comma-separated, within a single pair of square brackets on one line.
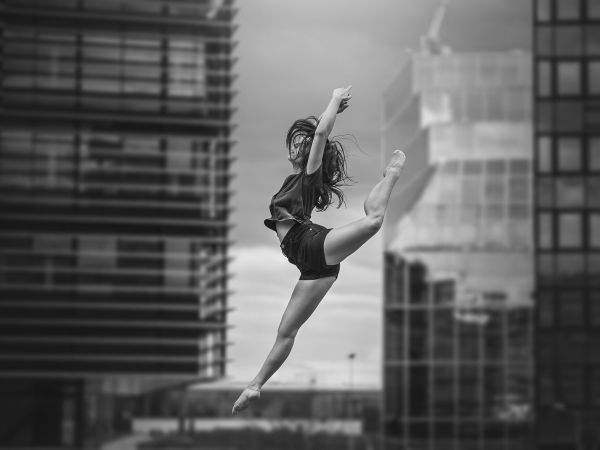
[(568, 347), (568, 192), (566, 116), (568, 230), (568, 40), (569, 269), (568, 308), (176, 8), (566, 10), (568, 154), (567, 386), (564, 78)]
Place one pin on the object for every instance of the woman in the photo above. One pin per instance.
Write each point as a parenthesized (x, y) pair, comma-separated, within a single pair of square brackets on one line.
[(319, 169)]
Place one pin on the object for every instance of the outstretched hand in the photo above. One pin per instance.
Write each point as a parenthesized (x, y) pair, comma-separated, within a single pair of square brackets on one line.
[(344, 95)]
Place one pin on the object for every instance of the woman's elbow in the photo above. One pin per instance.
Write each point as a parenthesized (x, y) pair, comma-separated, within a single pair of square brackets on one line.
[(321, 132)]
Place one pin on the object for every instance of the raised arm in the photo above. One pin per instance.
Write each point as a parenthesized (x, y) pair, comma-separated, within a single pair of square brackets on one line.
[(337, 104)]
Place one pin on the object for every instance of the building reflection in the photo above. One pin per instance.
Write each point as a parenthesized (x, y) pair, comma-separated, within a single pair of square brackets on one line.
[(114, 176), (458, 254)]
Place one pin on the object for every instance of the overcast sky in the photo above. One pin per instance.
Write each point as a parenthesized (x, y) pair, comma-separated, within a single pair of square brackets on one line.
[(291, 56)]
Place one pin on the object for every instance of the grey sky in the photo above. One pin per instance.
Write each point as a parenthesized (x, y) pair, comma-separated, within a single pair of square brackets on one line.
[(291, 56)]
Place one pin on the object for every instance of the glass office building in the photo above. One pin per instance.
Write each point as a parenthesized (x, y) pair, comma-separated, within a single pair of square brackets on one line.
[(458, 322), (567, 216), (115, 153)]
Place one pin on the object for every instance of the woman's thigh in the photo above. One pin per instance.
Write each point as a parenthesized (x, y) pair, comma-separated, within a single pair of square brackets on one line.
[(341, 242)]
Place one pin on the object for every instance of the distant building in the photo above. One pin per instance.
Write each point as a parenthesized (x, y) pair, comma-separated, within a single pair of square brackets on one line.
[(115, 153), (567, 223), (458, 323)]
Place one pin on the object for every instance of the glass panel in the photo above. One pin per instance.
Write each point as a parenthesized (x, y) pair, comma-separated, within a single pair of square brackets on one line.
[(593, 78), (568, 9), (594, 303), (543, 10), (594, 230), (568, 40), (568, 116), (570, 386), (592, 40), (545, 305), (544, 81), (545, 268), (570, 268), (569, 192), (545, 116), (544, 159), (592, 188), (569, 78), (544, 41), (571, 308), (546, 231), (569, 230), (593, 268), (593, 9), (545, 192), (569, 154)]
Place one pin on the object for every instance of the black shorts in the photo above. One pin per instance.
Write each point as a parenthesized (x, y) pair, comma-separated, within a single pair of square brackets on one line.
[(303, 247)]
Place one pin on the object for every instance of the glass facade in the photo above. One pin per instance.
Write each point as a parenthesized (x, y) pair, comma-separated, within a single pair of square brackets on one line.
[(458, 278), (567, 132), (115, 157)]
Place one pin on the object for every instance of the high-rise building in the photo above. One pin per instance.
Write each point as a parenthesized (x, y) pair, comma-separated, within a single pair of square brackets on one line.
[(567, 219), (458, 322), (115, 152)]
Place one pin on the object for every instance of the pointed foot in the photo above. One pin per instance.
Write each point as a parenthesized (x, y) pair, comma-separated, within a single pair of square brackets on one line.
[(249, 395), (396, 163)]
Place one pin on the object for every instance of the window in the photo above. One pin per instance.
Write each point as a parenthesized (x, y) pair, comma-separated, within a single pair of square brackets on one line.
[(568, 9), (571, 386), (545, 268), (568, 41), (569, 154), (545, 111), (570, 268), (592, 188), (568, 116), (569, 78), (592, 40), (545, 308), (544, 80), (593, 9), (594, 304), (546, 231), (544, 41), (570, 308), (569, 192), (569, 230), (594, 230), (544, 157), (593, 78), (545, 192), (543, 10)]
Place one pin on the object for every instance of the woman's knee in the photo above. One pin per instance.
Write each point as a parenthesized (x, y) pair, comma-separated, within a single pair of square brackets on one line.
[(286, 331)]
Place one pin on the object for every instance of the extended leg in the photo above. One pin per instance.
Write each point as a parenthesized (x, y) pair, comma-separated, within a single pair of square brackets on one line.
[(343, 241), (305, 298)]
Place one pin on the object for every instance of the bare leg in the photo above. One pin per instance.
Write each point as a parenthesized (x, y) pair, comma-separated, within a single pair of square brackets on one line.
[(305, 298), (343, 241)]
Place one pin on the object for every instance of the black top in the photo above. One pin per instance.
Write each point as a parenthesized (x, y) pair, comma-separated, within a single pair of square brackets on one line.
[(296, 198)]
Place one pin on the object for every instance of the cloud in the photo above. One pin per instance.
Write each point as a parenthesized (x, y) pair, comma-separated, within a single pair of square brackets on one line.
[(347, 320)]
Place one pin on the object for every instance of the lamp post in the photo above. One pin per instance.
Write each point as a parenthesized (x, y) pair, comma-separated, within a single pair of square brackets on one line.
[(351, 357)]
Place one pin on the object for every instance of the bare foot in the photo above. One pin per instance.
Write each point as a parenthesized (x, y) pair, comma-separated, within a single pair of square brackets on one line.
[(250, 394), (396, 163)]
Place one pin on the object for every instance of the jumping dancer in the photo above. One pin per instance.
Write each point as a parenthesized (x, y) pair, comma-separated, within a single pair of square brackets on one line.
[(319, 171)]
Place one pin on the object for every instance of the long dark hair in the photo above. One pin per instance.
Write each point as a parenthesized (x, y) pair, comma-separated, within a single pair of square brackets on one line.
[(333, 164)]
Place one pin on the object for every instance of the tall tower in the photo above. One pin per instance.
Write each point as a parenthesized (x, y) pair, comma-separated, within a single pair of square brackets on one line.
[(458, 255), (567, 223), (115, 154)]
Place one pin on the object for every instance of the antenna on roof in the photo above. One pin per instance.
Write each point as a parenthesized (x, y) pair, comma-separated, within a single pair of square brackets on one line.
[(430, 42)]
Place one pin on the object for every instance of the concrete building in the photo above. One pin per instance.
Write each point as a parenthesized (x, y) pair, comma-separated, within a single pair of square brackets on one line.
[(115, 152), (458, 322)]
